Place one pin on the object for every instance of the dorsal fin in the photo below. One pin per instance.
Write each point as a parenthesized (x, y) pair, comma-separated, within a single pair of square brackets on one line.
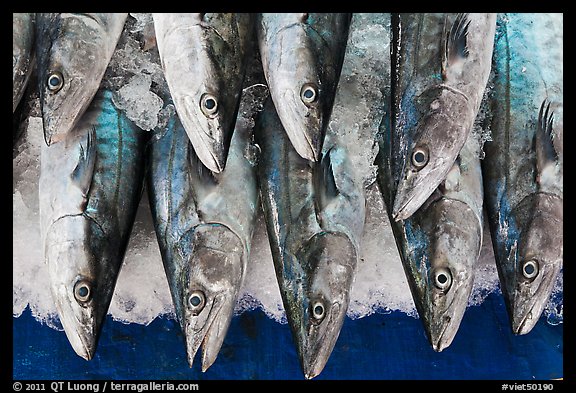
[(545, 137), (455, 46), (325, 188), (546, 155), (83, 173)]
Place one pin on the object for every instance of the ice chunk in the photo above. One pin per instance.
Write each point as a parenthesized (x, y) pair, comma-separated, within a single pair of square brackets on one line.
[(380, 284), (142, 292), (140, 104)]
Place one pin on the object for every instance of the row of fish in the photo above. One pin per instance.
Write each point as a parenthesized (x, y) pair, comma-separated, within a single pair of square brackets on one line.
[(347, 96)]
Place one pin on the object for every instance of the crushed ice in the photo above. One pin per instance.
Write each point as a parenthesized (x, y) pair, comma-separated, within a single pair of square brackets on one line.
[(142, 292)]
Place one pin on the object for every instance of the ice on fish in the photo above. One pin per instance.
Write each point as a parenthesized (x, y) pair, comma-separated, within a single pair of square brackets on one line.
[(138, 102), (142, 291)]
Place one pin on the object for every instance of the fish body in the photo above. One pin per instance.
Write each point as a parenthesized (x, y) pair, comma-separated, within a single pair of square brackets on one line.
[(90, 187), (523, 167), (204, 222), (302, 57), (441, 68), (314, 217), (22, 54), (204, 61), (73, 52), (440, 243)]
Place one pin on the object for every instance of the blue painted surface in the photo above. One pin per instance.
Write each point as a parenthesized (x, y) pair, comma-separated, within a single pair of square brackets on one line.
[(382, 346)]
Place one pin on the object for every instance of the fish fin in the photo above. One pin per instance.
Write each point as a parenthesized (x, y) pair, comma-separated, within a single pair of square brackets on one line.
[(83, 173), (205, 175), (546, 154), (545, 137), (324, 183), (455, 45), (452, 180)]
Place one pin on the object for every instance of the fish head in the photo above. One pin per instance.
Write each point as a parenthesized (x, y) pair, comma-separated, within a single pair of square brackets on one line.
[(69, 74), (208, 117), (298, 93), (330, 260), (207, 101), (439, 137), (456, 238), (539, 260), (81, 283), (208, 290)]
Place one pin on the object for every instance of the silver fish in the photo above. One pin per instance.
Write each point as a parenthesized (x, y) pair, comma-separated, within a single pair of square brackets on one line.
[(22, 54), (302, 57), (442, 65), (204, 222), (73, 52), (90, 185), (204, 61), (314, 217), (440, 243), (523, 168)]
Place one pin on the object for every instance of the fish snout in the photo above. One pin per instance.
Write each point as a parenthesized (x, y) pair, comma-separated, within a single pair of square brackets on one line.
[(211, 282), (303, 120)]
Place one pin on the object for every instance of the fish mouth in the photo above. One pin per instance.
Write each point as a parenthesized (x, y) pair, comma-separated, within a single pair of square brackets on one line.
[(208, 333), (524, 324), (330, 259), (84, 344), (444, 338), (411, 195), (82, 336), (524, 321), (207, 299), (302, 124), (530, 298), (318, 343), (205, 134), (402, 208)]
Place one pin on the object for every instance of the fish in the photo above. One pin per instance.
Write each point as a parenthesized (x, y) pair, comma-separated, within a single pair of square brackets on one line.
[(204, 223), (302, 55), (440, 243), (90, 186), (204, 61), (314, 216), (523, 164), (441, 67), (73, 51), (22, 54)]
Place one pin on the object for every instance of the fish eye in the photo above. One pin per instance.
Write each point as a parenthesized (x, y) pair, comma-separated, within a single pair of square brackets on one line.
[(209, 105), (530, 269), (196, 301), (420, 157), (304, 17), (309, 93), (55, 81), (318, 311), (82, 291), (442, 278)]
